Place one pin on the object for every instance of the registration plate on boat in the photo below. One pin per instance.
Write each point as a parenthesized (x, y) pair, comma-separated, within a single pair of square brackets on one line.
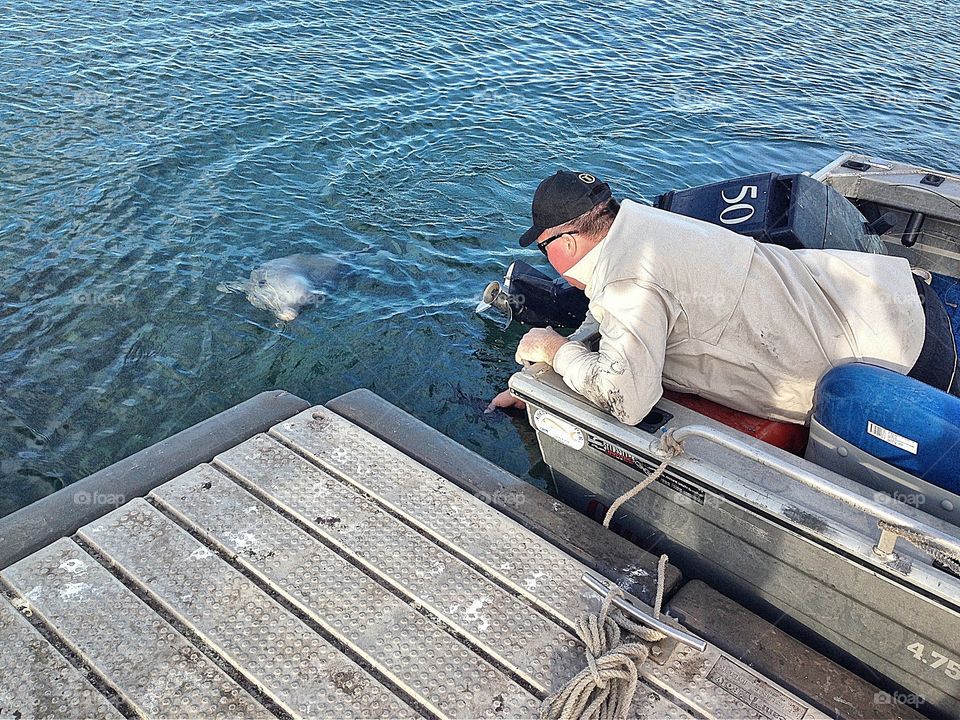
[(634, 461)]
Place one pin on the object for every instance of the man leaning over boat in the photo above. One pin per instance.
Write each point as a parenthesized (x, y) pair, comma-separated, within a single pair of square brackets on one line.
[(693, 307)]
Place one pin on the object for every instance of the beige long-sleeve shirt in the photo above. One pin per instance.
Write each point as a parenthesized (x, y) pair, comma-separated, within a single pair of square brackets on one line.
[(694, 307)]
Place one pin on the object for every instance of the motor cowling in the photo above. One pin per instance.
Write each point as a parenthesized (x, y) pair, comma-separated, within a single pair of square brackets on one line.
[(795, 211)]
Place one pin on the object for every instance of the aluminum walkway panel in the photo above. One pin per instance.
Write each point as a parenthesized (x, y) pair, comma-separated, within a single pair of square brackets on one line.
[(148, 663), (708, 683), (36, 681)]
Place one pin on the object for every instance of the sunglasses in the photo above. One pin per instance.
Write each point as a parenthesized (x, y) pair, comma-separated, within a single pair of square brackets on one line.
[(542, 246)]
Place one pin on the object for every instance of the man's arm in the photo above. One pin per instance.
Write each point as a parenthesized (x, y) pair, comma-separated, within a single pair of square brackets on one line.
[(624, 377), (588, 328)]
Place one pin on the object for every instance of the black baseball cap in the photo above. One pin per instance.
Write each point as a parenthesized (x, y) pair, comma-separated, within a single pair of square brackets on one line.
[(562, 197)]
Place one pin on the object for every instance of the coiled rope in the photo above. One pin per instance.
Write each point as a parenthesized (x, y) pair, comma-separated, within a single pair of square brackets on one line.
[(604, 689)]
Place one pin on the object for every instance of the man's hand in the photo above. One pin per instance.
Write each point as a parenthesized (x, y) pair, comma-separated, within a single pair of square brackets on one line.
[(505, 400), (539, 345)]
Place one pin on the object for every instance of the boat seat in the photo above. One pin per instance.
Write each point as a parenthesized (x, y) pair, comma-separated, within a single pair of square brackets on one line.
[(890, 432), (786, 436)]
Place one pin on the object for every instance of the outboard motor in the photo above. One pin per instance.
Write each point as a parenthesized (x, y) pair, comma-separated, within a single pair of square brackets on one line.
[(794, 211), (533, 298)]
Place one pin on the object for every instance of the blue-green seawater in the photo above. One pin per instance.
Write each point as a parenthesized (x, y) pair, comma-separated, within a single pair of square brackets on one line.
[(150, 151)]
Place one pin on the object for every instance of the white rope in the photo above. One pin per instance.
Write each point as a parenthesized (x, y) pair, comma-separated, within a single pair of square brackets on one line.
[(672, 448), (605, 688), (924, 543)]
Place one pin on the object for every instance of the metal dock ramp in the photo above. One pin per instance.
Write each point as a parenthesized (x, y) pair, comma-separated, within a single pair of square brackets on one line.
[(316, 571)]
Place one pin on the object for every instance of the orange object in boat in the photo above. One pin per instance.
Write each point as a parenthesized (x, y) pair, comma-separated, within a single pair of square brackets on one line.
[(787, 436)]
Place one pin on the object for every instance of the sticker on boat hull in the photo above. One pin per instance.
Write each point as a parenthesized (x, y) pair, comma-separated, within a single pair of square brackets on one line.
[(565, 433), (755, 691), (892, 438), (634, 461)]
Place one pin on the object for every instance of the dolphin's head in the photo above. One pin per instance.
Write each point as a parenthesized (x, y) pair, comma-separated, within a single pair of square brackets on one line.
[(283, 294), (286, 285)]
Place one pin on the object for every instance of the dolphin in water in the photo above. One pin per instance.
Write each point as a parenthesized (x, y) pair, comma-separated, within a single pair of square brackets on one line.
[(286, 285)]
